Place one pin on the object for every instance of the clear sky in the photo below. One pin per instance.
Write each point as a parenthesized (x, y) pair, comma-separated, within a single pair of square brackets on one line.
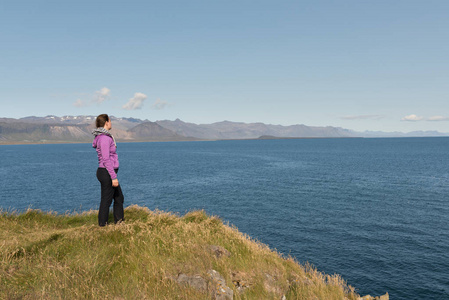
[(357, 64)]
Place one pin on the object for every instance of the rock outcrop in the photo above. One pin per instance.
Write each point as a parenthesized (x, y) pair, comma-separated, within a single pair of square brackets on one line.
[(219, 251), (215, 284)]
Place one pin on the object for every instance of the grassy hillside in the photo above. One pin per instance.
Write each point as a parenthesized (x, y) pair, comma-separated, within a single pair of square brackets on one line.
[(153, 255)]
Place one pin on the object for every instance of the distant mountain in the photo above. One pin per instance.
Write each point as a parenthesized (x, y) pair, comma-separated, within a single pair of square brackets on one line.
[(122, 123), (78, 129), (35, 132), (402, 134), (237, 130), (154, 132)]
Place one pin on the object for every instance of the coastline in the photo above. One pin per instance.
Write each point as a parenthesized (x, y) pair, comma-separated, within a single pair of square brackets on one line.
[(56, 142)]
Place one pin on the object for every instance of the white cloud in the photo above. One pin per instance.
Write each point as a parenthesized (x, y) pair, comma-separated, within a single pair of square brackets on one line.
[(102, 95), (438, 118), (97, 97), (135, 102), (79, 103), (412, 118), (363, 117), (159, 104)]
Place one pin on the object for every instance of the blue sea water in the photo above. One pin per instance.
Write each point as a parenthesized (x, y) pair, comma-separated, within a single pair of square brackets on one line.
[(375, 211)]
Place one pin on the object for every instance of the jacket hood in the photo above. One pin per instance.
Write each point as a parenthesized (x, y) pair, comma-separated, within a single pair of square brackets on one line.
[(94, 143)]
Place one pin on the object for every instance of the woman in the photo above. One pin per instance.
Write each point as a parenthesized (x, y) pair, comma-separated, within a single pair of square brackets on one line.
[(107, 170)]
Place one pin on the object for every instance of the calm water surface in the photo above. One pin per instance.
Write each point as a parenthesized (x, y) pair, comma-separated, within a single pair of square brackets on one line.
[(375, 211)]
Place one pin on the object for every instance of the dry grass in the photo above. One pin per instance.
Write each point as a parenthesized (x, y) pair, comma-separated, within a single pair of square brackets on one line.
[(50, 256)]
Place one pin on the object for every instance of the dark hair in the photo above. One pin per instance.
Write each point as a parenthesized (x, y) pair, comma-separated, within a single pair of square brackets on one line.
[(101, 120)]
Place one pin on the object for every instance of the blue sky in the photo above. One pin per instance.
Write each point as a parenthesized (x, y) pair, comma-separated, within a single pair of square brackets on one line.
[(362, 65)]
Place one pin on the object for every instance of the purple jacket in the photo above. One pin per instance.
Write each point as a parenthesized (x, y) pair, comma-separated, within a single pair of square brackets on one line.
[(107, 153)]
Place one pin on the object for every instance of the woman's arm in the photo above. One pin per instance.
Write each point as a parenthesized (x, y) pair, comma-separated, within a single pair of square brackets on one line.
[(105, 143)]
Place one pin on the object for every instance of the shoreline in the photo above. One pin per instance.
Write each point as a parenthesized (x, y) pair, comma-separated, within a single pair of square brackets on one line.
[(10, 143)]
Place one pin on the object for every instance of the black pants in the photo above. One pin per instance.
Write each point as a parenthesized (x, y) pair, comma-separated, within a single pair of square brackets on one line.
[(108, 192)]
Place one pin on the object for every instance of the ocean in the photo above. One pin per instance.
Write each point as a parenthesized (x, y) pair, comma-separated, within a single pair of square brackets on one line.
[(375, 211)]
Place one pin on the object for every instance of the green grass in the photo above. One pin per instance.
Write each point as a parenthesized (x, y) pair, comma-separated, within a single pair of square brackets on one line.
[(51, 256)]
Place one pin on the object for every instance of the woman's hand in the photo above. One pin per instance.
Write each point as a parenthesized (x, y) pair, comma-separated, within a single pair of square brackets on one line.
[(115, 182)]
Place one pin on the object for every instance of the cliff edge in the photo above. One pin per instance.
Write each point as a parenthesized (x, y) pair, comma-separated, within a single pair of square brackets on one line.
[(152, 255)]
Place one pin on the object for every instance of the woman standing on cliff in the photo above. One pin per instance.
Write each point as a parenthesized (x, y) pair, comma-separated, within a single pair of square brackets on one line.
[(107, 170)]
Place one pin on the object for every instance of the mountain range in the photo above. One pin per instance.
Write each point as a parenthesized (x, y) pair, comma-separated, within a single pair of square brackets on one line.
[(51, 129)]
